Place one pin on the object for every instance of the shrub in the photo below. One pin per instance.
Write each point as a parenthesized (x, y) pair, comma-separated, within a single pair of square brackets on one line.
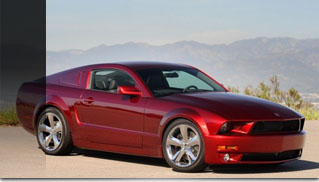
[(234, 89), (290, 98), (310, 113), (8, 117)]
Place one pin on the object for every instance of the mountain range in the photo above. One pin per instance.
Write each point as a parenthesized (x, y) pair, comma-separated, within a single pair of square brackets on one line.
[(238, 64)]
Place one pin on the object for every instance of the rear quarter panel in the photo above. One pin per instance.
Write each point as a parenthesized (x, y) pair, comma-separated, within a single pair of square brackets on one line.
[(61, 90), (29, 96), (65, 98)]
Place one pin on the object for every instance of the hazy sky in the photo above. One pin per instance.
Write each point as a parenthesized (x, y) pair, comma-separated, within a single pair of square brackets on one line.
[(82, 24)]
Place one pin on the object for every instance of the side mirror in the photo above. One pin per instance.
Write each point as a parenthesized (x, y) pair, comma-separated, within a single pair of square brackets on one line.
[(128, 90)]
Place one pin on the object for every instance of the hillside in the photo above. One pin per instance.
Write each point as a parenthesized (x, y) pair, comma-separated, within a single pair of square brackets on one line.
[(241, 63)]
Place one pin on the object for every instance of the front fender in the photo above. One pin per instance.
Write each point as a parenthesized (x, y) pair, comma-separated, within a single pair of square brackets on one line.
[(186, 113)]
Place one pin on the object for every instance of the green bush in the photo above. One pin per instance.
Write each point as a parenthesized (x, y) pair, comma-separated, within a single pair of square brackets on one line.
[(8, 117), (310, 113), (290, 98)]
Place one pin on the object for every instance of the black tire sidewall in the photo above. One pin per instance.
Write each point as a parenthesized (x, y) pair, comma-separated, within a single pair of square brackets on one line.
[(66, 138), (199, 164)]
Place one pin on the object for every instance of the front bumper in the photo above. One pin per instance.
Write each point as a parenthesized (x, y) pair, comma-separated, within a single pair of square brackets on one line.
[(254, 145)]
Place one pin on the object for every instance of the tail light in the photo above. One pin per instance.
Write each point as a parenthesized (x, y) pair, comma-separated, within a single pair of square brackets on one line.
[(235, 127)]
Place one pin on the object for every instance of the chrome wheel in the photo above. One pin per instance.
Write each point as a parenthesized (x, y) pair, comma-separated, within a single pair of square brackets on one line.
[(183, 145), (50, 131)]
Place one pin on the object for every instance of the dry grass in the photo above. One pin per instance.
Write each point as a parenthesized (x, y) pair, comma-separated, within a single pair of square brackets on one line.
[(8, 117), (310, 113)]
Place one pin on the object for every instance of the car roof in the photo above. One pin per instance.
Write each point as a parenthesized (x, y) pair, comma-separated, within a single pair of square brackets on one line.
[(138, 65)]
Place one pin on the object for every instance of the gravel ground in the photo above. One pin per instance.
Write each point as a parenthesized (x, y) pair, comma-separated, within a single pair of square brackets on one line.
[(20, 157)]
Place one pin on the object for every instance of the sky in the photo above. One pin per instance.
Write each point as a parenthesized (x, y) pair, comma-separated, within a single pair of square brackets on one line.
[(83, 24)]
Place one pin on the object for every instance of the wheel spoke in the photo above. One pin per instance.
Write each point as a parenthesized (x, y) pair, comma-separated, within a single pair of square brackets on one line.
[(45, 128), (190, 155), (48, 140), (180, 155), (188, 159), (58, 127), (183, 129), (51, 119), (175, 155), (174, 141), (193, 141), (55, 140)]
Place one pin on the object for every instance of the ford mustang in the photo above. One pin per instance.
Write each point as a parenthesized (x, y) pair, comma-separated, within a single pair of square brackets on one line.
[(163, 110)]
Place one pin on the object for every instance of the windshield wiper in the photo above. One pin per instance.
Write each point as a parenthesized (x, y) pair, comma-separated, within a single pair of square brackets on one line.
[(197, 90), (186, 92)]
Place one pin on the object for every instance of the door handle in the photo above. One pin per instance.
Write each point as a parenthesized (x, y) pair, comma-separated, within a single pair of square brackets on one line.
[(88, 100)]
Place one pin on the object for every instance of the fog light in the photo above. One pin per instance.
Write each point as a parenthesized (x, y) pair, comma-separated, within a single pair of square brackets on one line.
[(232, 147), (227, 147), (226, 157), (221, 147)]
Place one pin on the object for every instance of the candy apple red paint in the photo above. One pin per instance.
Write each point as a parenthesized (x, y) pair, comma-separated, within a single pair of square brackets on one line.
[(163, 110)]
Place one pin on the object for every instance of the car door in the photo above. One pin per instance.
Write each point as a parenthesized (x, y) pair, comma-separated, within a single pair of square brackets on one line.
[(112, 118)]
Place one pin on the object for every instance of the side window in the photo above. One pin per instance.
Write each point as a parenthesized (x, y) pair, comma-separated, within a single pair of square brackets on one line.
[(109, 79)]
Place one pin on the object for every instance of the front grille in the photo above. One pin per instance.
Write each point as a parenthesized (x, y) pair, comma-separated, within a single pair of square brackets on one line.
[(286, 155), (264, 127)]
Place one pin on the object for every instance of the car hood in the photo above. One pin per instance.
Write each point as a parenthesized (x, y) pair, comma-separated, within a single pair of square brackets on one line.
[(235, 106)]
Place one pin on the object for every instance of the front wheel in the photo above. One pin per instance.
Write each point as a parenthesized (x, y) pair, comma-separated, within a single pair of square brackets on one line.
[(53, 134), (183, 147)]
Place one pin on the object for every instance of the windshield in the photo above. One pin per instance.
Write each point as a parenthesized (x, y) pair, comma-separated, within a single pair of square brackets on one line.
[(166, 81)]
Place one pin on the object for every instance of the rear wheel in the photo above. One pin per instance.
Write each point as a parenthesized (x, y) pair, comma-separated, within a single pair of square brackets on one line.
[(183, 147), (53, 134)]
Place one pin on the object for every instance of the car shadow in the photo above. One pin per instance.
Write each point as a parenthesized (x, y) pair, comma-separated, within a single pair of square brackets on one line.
[(121, 157), (297, 165)]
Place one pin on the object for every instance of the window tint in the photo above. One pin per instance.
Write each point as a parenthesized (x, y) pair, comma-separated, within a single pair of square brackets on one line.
[(166, 81), (109, 79), (184, 79)]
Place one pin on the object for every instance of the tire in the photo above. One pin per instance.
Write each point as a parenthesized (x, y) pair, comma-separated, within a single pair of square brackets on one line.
[(58, 139), (184, 155)]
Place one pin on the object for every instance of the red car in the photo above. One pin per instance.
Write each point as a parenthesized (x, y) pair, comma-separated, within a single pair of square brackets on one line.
[(159, 110)]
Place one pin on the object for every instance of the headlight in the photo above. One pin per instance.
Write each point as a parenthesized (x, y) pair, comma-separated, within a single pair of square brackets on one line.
[(235, 127), (224, 128)]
